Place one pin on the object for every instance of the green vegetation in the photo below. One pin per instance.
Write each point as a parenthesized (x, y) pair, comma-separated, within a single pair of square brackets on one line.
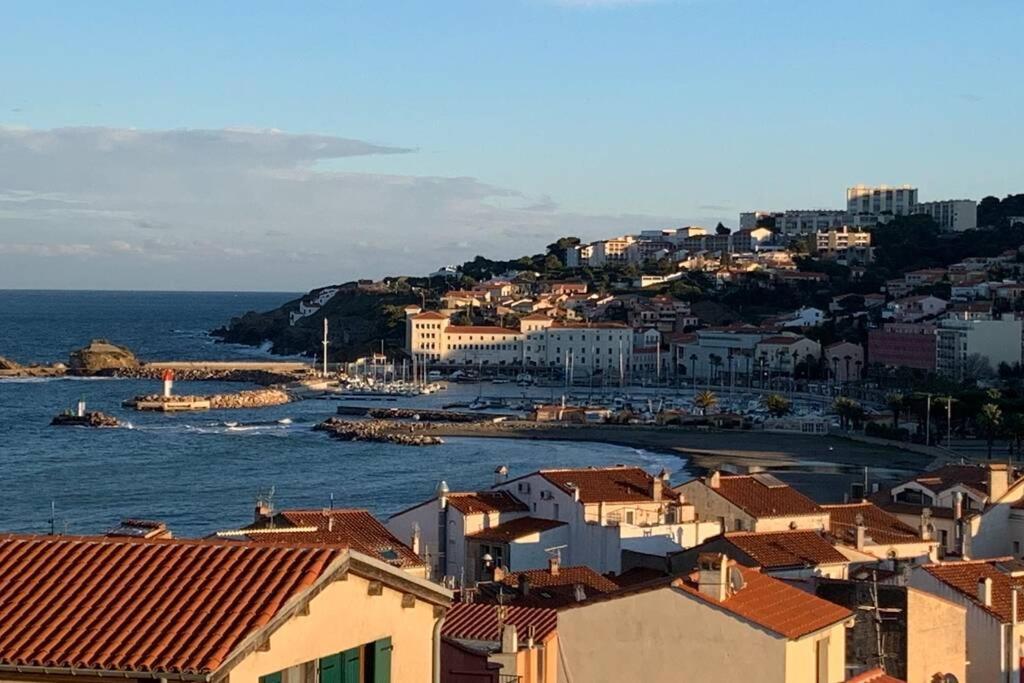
[(777, 405), (705, 401)]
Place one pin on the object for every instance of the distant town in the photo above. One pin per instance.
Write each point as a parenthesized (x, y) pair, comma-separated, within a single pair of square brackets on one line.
[(845, 386)]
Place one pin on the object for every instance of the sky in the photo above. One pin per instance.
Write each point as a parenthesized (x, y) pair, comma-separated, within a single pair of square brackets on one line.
[(283, 146)]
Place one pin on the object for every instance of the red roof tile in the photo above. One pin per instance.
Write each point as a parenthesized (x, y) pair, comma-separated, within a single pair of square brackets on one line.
[(608, 484), (429, 315), (486, 501), (778, 549), (874, 676), (477, 621), (882, 527), (964, 577), (479, 329), (773, 604), (355, 529), (762, 495), (516, 528), (547, 589), (142, 605)]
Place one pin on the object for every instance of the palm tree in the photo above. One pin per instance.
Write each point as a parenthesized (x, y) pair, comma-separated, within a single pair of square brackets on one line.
[(693, 368), (777, 405), (705, 400), (716, 363), (990, 422), (849, 411), (896, 402), (846, 377)]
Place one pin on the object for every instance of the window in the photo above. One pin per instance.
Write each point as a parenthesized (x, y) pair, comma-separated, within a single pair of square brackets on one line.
[(629, 516), (1016, 548)]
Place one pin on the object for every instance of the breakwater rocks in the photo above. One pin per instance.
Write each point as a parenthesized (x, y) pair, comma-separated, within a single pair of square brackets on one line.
[(90, 419), (379, 431), (261, 377), (425, 415), (256, 398), (101, 357)]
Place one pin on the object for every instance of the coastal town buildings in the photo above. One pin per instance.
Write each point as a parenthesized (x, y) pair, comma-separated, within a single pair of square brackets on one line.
[(516, 644), (844, 243), (867, 205), (845, 360), (951, 215), (902, 345), (992, 342), (211, 610)]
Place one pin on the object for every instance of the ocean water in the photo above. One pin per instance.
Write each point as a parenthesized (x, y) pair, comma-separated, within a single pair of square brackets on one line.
[(201, 472)]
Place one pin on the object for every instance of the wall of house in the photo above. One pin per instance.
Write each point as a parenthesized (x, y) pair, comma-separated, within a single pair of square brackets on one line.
[(713, 507), (936, 637), (538, 664), (425, 517), (802, 656), (985, 647), (344, 616), (666, 636), (528, 552)]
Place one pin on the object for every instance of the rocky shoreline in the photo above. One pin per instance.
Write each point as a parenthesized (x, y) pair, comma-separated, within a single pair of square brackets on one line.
[(91, 419), (261, 377), (377, 431)]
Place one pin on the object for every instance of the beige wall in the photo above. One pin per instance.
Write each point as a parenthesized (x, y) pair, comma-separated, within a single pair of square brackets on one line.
[(344, 616), (936, 637), (711, 506), (668, 636)]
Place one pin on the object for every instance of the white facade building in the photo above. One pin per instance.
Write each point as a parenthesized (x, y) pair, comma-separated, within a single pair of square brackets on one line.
[(998, 341), (952, 215), (867, 205)]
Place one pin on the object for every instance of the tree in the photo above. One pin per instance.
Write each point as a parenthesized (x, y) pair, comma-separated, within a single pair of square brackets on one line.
[(1013, 427), (705, 400), (896, 402), (559, 247), (552, 263), (777, 405), (976, 367), (990, 422), (721, 229), (849, 411)]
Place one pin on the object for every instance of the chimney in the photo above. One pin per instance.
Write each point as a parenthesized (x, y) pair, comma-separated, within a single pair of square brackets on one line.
[(998, 481), (414, 543), (442, 494), (712, 575), (497, 573), (985, 591), (654, 489), (958, 505), (714, 479), (509, 639), (1014, 599), (330, 522), (264, 510), (524, 585), (925, 528), (554, 564), (861, 533), (500, 475)]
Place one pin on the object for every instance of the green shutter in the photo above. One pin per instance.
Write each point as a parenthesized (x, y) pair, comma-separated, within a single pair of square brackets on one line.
[(271, 678), (382, 661), (350, 666), (330, 669)]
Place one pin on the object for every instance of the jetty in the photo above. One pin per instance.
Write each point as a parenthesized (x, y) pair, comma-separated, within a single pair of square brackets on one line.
[(377, 431), (84, 418), (418, 414)]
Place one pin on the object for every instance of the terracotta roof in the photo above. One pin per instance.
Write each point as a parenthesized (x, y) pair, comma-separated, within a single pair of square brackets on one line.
[(778, 549), (547, 589), (637, 576), (478, 621), (772, 604), (882, 527), (963, 577), (516, 528), (780, 340), (763, 495), (479, 329), (874, 676), (537, 316), (608, 484), (591, 325), (429, 315), (142, 605), (486, 501), (355, 529), (971, 476)]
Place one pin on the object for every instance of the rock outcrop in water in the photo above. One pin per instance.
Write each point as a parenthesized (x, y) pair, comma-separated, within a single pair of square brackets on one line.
[(101, 357), (379, 431), (90, 419), (256, 398), (7, 364)]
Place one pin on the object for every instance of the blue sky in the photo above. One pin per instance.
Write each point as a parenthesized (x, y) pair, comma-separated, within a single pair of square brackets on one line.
[(495, 125)]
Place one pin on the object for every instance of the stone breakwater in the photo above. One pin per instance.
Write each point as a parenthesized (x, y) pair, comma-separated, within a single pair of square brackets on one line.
[(255, 398), (425, 415), (379, 431), (90, 419), (261, 377)]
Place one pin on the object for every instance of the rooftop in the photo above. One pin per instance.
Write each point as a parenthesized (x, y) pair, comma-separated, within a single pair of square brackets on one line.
[(608, 484), (480, 621), (355, 529), (120, 604), (874, 676), (546, 588), (515, 529), (479, 329), (762, 495), (779, 549), (486, 501), (772, 604), (964, 577), (882, 527)]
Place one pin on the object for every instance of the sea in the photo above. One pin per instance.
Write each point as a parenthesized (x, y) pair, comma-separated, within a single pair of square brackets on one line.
[(202, 472)]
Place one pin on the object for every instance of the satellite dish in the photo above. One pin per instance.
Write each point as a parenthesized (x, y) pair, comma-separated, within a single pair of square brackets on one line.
[(950, 678), (736, 580)]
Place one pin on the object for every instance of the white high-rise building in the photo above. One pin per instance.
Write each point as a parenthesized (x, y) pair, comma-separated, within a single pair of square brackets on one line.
[(952, 215), (870, 204)]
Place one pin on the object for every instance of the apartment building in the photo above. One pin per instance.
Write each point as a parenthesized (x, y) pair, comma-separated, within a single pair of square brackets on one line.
[(611, 251), (958, 341), (906, 345), (796, 222), (714, 350), (952, 215), (844, 242), (867, 205)]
